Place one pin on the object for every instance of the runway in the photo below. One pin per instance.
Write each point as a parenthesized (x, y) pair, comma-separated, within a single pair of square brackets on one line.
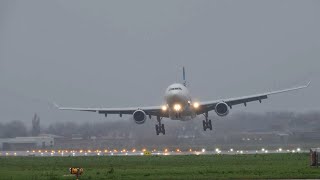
[(68, 153)]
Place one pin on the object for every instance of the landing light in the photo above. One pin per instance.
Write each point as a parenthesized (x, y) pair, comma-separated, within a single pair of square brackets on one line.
[(164, 108), (196, 105), (177, 107)]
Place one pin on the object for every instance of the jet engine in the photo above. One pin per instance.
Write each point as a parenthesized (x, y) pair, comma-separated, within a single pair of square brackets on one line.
[(222, 109), (139, 116)]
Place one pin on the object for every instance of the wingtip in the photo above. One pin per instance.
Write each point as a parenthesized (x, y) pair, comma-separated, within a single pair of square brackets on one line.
[(55, 105), (308, 84)]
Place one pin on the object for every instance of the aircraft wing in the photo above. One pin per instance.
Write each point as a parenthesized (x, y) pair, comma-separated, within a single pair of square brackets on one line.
[(151, 110), (210, 105)]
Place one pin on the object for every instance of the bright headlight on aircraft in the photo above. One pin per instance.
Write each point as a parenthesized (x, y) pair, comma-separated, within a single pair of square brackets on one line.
[(164, 108), (177, 107), (196, 105)]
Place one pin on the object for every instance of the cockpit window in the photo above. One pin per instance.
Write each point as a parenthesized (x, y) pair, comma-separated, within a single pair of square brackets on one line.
[(175, 89)]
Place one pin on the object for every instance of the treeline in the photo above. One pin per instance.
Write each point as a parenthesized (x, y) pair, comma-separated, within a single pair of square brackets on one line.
[(13, 129), (87, 130)]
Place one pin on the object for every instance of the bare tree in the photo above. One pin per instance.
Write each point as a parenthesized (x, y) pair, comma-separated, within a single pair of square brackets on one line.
[(35, 125)]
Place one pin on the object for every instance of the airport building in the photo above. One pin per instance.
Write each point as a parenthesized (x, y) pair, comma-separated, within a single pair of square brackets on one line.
[(26, 143)]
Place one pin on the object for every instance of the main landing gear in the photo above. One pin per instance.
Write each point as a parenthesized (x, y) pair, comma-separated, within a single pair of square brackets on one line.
[(160, 127), (207, 124)]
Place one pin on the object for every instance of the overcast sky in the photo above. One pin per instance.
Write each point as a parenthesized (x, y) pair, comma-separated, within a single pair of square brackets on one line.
[(125, 53)]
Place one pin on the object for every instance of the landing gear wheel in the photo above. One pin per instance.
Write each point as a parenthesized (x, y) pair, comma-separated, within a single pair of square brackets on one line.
[(210, 125), (204, 125), (160, 127), (207, 124), (163, 130)]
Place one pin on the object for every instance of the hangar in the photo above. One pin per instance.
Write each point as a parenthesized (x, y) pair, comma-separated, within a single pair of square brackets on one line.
[(26, 143)]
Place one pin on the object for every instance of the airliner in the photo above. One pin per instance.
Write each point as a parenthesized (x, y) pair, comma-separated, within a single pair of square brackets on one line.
[(180, 106)]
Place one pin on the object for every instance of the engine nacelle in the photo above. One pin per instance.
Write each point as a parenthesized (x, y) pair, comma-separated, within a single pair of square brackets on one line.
[(222, 109), (139, 116)]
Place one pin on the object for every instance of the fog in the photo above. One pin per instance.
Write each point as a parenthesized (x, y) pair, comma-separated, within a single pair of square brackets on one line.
[(242, 130), (125, 53)]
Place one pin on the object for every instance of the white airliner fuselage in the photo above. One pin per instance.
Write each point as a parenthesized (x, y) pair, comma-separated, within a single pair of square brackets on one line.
[(179, 103)]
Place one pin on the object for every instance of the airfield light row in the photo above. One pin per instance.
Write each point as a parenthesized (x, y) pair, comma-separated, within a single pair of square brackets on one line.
[(166, 151)]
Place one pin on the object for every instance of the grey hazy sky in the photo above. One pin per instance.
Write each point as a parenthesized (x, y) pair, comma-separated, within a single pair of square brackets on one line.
[(125, 53)]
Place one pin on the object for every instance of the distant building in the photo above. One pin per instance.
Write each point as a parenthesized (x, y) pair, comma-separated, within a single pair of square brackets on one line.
[(76, 137), (307, 135), (26, 143)]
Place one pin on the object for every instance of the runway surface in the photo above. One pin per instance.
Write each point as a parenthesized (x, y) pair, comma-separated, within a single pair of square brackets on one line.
[(67, 153)]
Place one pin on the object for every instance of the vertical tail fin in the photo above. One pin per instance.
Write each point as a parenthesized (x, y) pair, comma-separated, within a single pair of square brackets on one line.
[(184, 77)]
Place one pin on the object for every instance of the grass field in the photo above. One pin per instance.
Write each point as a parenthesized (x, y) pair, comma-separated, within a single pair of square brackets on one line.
[(161, 167)]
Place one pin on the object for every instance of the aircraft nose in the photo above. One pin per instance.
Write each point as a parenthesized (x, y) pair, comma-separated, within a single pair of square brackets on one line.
[(173, 94), (173, 97)]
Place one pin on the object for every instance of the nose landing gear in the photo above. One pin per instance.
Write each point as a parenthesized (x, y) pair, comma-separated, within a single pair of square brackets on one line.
[(160, 127), (207, 124)]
